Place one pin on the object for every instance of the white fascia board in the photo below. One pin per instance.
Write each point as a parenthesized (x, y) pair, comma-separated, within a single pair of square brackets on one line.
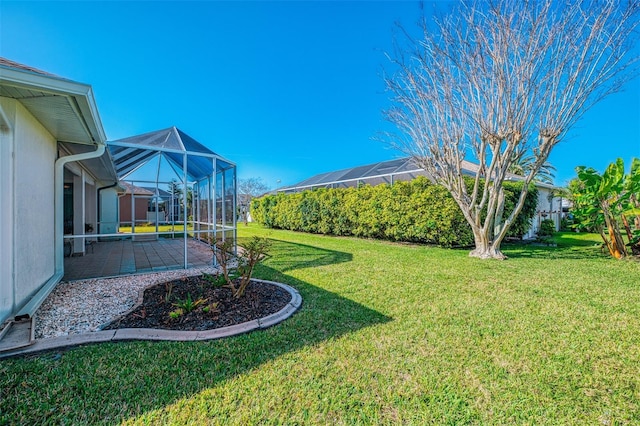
[(89, 110), (41, 82), (82, 93)]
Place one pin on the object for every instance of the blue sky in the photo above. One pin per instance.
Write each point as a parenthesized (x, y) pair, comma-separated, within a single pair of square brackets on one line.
[(285, 89)]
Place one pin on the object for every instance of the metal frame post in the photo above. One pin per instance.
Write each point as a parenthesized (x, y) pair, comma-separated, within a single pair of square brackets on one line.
[(184, 202)]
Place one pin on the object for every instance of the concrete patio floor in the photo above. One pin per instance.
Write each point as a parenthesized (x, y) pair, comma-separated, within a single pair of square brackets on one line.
[(122, 257)]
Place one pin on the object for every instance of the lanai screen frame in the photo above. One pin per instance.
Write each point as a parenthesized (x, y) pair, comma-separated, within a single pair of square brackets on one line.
[(215, 227), (383, 172), (403, 169)]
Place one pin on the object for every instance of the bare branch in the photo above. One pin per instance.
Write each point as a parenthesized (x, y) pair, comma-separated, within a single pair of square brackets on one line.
[(493, 82)]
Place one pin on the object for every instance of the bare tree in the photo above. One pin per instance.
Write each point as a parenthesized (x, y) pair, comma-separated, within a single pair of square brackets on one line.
[(247, 190), (491, 82)]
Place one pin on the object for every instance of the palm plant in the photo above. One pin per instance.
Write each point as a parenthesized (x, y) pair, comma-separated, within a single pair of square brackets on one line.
[(603, 201), (524, 165)]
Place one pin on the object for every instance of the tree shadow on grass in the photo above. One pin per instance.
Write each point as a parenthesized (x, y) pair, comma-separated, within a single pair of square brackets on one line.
[(109, 383), (287, 256), (565, 250)]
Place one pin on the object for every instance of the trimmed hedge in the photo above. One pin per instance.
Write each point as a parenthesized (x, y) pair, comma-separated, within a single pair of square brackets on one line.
[(416, 211)]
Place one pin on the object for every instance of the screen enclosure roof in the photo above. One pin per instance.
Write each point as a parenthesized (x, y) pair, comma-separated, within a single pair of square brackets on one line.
[(131, 153)]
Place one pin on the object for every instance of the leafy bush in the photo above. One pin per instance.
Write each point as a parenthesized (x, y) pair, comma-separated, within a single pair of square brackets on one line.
[(566, 224), (250, 254), (253, 252), (416, 211), (522, 224), (217, 280), (547, 228)]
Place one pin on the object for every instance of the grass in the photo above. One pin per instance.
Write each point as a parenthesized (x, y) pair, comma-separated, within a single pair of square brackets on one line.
[(387, 334), (152, 228)]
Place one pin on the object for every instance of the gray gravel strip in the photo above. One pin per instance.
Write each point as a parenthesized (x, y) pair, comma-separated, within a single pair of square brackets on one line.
[(77, 307), (75, 339)]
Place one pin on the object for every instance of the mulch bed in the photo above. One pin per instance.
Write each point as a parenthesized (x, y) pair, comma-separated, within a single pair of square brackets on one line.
[(219, 310)]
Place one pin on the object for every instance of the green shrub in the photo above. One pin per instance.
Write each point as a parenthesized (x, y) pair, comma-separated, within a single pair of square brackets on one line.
[(547, 228), (416, 211), (251, 252), (189, 304), (566, 224)]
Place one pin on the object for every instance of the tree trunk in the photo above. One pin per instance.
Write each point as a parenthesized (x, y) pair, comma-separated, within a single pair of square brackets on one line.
[(627, 228), (488, 252), (607, 243), (616, 244), (635, 203), (485, 248), (497, 224)]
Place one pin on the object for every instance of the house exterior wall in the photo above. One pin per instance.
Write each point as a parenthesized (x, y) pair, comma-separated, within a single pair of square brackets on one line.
[(31, 194), (36, 152), (7, 124), (548, 208), (141, 206)]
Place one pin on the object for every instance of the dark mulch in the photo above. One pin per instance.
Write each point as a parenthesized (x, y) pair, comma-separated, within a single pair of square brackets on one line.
[(219, 310)]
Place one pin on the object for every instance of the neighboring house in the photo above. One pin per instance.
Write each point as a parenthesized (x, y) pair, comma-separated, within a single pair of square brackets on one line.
[(404, 169), (53, 163), (166, 202), (244, 207), (550, 206), (137, 199)]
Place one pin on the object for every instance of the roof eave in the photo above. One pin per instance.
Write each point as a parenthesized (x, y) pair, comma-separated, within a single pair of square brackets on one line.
[(82, 94)]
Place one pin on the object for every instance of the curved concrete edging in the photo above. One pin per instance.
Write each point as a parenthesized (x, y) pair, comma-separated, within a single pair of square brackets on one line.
[(169, 335)]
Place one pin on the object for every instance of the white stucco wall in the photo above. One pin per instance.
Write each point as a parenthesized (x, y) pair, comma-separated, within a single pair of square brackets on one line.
[(36, 151), (31, 250), (549, 206), (7, 123)]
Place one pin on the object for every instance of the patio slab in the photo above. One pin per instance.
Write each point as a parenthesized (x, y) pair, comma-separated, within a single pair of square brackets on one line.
[(123, 257), (17, 334)]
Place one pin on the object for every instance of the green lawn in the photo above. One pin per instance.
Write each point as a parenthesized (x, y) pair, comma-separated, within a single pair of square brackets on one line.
[(387, 334), (161, 228)]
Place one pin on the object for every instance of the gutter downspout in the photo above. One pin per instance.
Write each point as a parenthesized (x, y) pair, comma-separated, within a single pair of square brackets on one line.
[(59, 199), (34, 303)]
